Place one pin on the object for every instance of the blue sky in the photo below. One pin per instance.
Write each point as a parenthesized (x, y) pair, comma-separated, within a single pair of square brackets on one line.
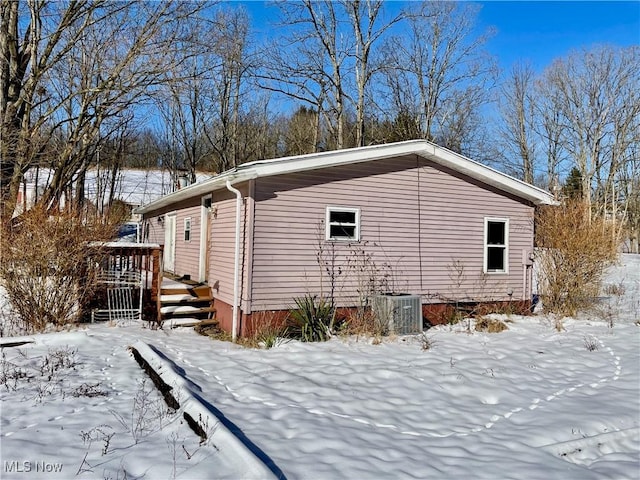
[(539, 31), (542, 31)]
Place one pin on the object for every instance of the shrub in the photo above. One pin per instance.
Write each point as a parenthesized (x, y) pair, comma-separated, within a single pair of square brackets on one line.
[(266, 332), (426, 341), (44, 266), (575, 247), (591, 343), (312, 320), (490, 325), (363, 321)]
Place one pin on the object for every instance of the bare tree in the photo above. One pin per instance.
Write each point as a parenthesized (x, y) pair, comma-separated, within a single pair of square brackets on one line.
[(231, 48), (584, 113), (58, 79), (308, 64), (327, 61), (517, 108), (203, 99), (294, 77), (186, 114), (29, 47), (444, 64), (595, 94), (367, 31), (549, 129), (629, 193)]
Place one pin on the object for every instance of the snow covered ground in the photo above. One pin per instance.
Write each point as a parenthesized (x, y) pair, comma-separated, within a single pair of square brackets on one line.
[(527, 403)]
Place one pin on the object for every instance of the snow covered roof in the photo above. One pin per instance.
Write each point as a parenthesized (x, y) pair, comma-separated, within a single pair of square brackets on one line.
[(314, 161)]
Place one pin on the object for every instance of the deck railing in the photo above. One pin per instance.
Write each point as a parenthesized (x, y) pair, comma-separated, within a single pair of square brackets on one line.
[(130, 277)]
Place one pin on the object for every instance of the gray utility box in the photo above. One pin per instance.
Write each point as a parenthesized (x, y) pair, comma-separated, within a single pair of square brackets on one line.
[(402, 313)]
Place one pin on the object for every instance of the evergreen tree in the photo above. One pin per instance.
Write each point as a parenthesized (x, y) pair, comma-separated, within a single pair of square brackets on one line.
[(572, 187)]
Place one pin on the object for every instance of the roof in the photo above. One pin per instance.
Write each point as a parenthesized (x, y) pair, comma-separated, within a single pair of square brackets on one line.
[(314, 161)]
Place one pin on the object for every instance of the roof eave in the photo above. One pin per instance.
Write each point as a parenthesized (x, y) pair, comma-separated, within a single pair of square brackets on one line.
[(489, 176), (197, 189), (301, 163)]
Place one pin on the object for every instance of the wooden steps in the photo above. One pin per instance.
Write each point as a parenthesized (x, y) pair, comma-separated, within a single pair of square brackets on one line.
[(186, 305)]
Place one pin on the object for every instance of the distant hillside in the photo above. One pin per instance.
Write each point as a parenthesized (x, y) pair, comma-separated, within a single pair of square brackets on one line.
[(132, 186)]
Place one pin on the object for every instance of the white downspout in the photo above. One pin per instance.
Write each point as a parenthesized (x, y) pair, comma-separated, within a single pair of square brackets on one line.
[(236, 260)]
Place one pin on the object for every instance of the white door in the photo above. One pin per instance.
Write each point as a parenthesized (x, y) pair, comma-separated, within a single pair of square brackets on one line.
[(203, 270), (170, 242)]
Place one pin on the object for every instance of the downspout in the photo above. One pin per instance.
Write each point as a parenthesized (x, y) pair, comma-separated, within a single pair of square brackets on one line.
[(236, 261)]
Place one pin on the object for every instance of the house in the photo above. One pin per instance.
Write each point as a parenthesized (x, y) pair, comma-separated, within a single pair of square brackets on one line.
[(409, 216)]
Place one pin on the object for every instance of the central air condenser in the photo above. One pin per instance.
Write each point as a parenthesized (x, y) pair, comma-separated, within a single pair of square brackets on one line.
[(402, 313)]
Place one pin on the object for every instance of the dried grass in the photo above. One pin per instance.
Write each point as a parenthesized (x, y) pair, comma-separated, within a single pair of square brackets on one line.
[(490, 325)]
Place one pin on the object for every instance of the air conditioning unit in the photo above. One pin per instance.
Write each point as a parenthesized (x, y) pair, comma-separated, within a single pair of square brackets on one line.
[(402, 313)]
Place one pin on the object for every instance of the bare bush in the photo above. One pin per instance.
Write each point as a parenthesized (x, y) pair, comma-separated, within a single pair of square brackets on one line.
[(57, 360), (591, 343), (490, 325), (11, 374), (364, 321), (575, 247), (46, 375), (149, 413), (267, 332), (102, 433), (426, 341), (44, 266), (89, 390)]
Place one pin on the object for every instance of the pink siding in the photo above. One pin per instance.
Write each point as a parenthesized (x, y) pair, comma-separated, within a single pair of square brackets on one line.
[(454, 210), (222, 246), (417, 222), (188, 252), (155, 229)]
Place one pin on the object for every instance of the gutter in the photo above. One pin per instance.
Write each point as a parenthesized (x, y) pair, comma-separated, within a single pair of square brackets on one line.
[(301, 163), (236, 263), (195, 190)]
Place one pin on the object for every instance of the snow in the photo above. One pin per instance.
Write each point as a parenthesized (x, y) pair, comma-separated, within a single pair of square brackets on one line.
[(530, 402)]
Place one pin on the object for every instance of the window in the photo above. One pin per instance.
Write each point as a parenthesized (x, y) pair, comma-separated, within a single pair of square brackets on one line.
[(187, 229), (496, 236), (343, 223)]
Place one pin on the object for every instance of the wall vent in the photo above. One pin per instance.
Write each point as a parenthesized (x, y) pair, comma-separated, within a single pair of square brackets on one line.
[(402, 313)]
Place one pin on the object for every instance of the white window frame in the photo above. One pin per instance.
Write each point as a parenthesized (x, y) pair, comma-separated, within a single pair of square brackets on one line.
[(187, 229), (505, 246), (329, 224)]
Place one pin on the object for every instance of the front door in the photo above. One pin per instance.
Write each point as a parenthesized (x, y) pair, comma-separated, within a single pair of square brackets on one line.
[(170, 242)]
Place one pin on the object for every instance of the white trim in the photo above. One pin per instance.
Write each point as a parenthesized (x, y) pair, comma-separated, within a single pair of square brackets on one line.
[(205, 225), (328, 223), (505, 245), (170, 234), (314, 161)]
